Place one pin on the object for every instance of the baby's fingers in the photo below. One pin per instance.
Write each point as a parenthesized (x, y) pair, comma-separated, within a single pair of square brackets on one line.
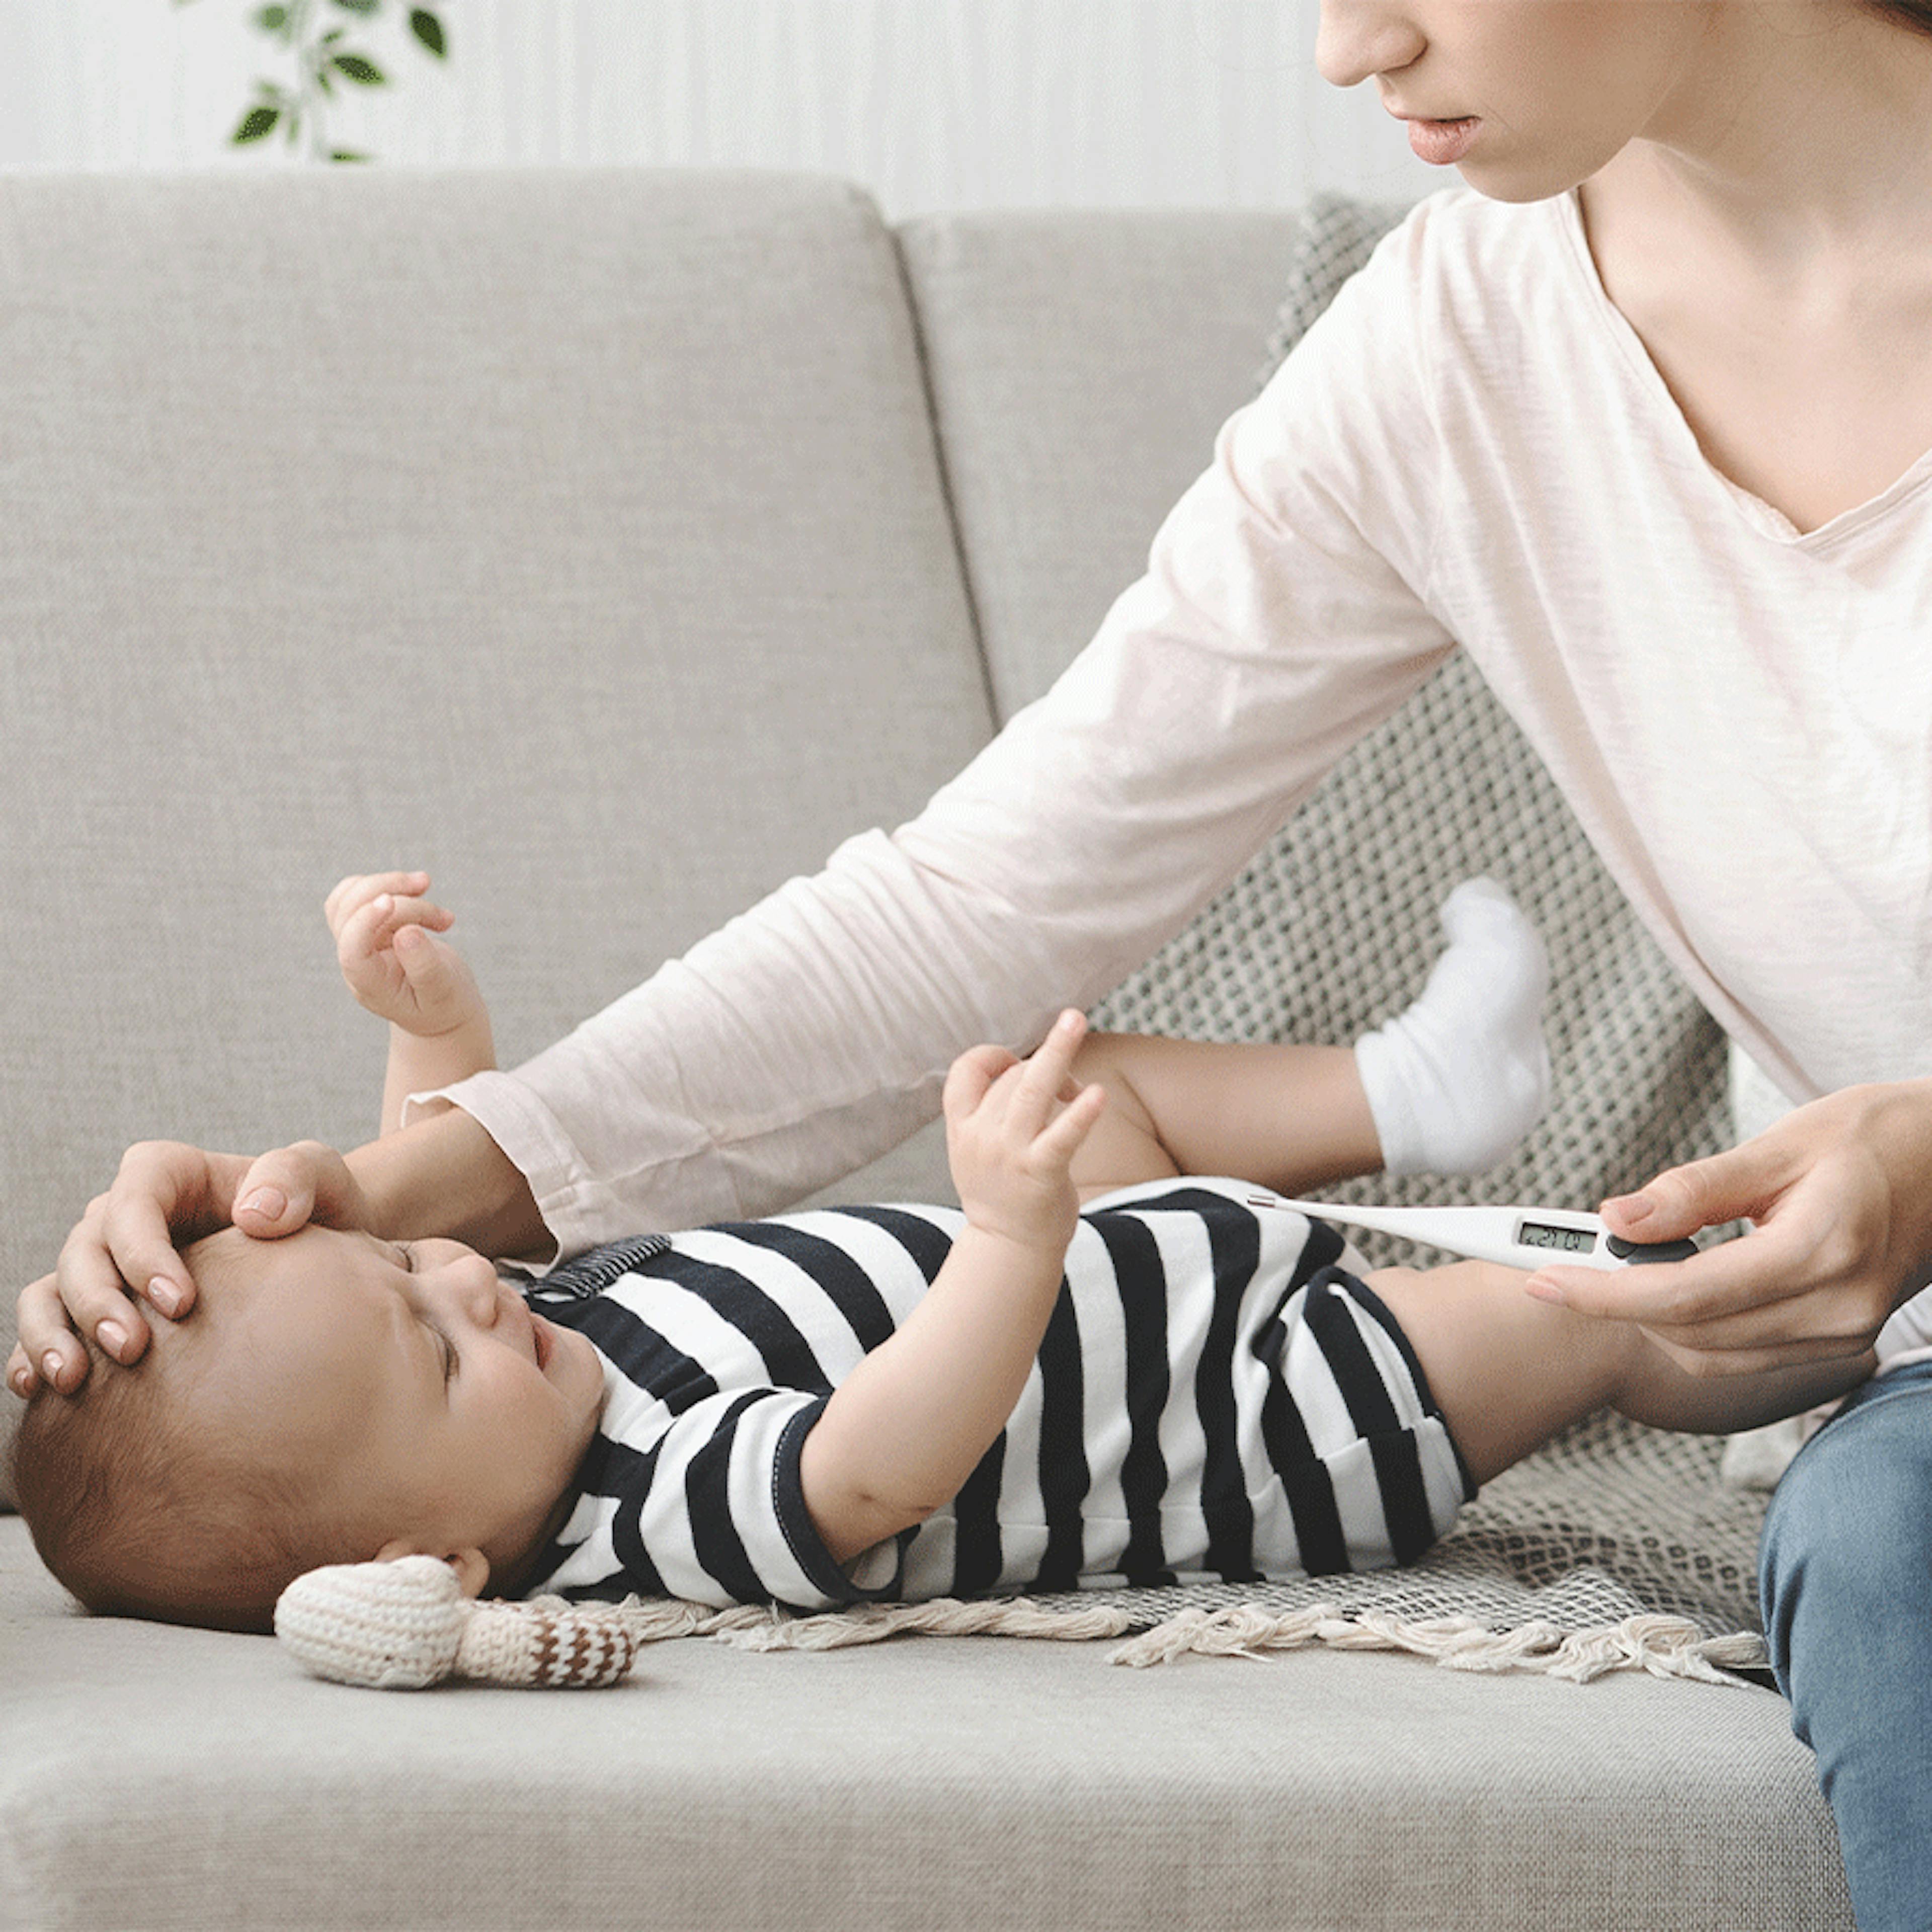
[(1045, 1078), (1059, 1141), (971, 1077), (350, 895), (372, 928)]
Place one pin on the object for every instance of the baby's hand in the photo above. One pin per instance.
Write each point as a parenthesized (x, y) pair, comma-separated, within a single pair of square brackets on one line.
[(386, 942), (1013, 1127)]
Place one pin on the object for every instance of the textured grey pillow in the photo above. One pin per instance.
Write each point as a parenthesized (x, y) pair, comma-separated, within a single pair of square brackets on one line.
[(1333, 926)]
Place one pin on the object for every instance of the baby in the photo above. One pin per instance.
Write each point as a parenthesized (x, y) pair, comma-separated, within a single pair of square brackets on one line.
[(1100, 1368)]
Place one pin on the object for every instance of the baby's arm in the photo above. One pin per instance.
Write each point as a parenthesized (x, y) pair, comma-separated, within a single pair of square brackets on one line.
[(904, 1430), (386, 941)]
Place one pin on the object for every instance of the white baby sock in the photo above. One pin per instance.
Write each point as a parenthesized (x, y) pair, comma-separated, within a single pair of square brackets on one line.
[(1457, 1080)]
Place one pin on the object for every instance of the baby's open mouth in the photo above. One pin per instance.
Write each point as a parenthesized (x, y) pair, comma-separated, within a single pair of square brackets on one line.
[(540, 1335)]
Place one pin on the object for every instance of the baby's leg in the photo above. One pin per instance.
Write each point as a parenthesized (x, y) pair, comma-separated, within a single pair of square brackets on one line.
[(1450, 1085), (1287, 1117), (1508, 1371)]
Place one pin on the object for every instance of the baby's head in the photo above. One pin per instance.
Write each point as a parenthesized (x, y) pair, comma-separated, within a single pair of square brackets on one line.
[(331, 1398)]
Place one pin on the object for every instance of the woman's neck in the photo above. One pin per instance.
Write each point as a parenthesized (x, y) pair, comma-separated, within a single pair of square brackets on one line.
[(1800, 138)]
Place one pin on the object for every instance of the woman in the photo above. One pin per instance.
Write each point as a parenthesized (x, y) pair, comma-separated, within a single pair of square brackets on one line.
[(1644, 423)]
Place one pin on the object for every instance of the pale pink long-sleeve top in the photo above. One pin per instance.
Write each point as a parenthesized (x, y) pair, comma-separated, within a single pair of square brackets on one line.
[(1472, 448)]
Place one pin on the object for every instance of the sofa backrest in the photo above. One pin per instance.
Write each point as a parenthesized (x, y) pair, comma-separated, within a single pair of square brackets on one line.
[(1081, 365), (579, 536)]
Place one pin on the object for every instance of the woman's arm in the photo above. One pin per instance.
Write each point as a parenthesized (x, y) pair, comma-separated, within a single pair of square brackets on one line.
[(812, 1034)]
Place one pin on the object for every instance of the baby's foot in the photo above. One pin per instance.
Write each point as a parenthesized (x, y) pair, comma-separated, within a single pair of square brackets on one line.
[(1457, 1080)]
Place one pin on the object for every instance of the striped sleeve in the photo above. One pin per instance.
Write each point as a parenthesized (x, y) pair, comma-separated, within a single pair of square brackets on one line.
[(723, 1519)]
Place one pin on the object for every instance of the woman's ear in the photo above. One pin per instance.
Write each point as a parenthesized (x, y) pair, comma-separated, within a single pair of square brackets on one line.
[(472, 1566)]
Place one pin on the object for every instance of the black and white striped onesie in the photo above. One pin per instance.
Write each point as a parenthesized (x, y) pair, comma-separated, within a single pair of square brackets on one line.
[(1216, 1397)]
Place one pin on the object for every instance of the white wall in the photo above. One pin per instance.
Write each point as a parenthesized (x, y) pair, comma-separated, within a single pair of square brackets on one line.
[(932, 103)]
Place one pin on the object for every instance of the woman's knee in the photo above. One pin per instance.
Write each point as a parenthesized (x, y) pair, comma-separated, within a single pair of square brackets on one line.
[(1849, 1533)]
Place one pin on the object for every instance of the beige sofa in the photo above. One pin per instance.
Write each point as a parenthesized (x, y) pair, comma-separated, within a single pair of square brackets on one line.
[(613, 544)]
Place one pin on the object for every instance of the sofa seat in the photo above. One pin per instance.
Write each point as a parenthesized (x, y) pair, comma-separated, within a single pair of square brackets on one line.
[(164, 1778)]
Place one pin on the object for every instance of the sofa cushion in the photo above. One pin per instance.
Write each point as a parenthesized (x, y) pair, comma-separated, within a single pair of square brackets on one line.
[(581, 536)]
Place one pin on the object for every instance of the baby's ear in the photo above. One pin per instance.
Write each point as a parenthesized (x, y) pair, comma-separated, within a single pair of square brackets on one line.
[(472, 1566)]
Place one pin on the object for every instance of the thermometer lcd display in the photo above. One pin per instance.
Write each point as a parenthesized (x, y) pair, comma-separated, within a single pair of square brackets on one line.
[(1564, 1240)]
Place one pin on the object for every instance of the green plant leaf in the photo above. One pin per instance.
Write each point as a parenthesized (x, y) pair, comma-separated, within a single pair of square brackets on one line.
[(273, 20), (428, 29), (256, 124), (360, 70), (364, 8), (349, 154)]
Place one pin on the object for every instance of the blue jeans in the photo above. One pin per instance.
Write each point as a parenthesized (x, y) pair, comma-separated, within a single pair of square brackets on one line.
[(1846, 1571)]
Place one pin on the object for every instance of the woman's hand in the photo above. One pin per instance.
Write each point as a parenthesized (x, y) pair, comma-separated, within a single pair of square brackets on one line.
[(166, 1193), (1840, 1194)]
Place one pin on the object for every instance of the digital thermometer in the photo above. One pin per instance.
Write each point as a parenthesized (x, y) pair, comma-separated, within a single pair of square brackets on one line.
[(1524, 1238)]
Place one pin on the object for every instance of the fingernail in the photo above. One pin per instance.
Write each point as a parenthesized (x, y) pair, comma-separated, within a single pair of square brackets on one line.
[(22, 1381), (164, 1294), (1634, 1207), (1543, 1291), (50, 1367), (268, 1202), (112, 1337)]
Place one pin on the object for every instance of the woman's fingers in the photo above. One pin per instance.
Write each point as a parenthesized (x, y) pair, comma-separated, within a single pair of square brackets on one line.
[(289, 1188), (1741, 1184), (120, 1245), (1833, 1191), (126, 1246), (48, 1351)]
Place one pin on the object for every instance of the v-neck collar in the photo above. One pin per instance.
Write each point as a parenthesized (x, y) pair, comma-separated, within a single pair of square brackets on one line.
[(1766, 518)]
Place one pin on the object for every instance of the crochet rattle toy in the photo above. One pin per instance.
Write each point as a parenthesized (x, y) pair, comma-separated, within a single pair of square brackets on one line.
[(405, 1625)]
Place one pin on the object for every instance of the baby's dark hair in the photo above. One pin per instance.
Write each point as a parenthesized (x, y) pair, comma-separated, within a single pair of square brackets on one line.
[(140, 1512)]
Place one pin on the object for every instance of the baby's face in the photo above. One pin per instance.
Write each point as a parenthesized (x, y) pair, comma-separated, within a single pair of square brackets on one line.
[(407, 1389)]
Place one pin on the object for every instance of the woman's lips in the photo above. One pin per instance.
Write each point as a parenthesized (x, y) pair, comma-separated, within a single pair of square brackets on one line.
[(1443, 143)]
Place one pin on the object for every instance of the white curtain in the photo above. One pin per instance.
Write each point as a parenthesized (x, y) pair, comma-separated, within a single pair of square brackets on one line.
[(931, 104)]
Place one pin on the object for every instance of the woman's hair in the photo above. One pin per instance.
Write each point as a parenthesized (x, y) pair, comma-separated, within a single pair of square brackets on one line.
[(1914, 14), (141, 1512)]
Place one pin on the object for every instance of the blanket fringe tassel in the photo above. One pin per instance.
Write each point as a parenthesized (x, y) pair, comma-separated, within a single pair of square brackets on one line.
[(1664, 1646)]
